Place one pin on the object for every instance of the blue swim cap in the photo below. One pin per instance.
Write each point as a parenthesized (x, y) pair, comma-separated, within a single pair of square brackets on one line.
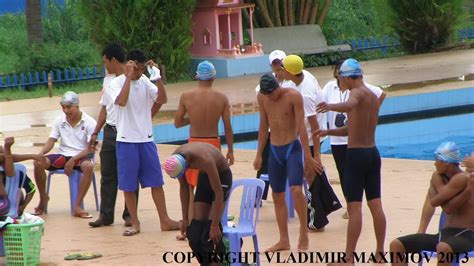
[(448, 152), (205, 71), (350, 68)]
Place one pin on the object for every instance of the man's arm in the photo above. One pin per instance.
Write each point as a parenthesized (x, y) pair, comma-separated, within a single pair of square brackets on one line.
[(209, 166), (122, 98), (459, 200), (229, 134), (262, 133), (382, 98), (100, 123), (344, 107), (162, 96), (179, 118), (9, 168), (48, 146), (426, 214), (341, 131), (313, 123), (184, 197), (452, 188)]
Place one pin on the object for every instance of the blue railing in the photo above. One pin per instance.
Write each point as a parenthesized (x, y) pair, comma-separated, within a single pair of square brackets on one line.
[(58, 76), (466, 34)]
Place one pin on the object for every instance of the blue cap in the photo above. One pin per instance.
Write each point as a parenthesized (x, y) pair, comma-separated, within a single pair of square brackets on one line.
[(448, 152), (205, 71), (350, 68)]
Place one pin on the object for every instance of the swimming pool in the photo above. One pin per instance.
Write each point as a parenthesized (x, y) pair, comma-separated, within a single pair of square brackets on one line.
[(415, 139)]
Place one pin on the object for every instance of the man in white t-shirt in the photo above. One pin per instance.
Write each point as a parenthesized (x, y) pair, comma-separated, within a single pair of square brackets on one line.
[(137, 155), (114, 58), (333, 94), (74, 129)]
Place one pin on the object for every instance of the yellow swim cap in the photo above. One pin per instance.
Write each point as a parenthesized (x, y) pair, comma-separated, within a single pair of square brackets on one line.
[(293, 64)]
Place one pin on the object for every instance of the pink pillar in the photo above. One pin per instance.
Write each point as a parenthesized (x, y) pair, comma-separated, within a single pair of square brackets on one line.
[(251, 26), (229, 30)]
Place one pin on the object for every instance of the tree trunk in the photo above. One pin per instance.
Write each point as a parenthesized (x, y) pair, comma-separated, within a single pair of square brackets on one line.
[(301, 10), (314, 13), (324, 12), (266, 20), (285, 13), (307, 8), (291, 18), (276, 12), (34, 26)]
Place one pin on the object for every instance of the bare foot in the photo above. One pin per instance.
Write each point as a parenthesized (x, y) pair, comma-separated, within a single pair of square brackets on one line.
[(281, 245), (317, 230), (303, 242), (171, 225), (180, 238), (345, 215), (378, 258), (42, 205)]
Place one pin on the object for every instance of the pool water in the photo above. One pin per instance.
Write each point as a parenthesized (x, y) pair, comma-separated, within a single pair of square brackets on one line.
[(416, 139)]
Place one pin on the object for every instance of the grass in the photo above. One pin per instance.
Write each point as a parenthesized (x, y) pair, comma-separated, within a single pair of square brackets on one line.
[(42, 91)]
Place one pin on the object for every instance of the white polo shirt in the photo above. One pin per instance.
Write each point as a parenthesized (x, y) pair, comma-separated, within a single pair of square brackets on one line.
[(134, 123), (107, 99), (332, 95), (312, 96), (73, 140)]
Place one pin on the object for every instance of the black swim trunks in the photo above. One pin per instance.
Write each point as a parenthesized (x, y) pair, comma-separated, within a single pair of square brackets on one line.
[(204, 191), (459, 239), (362, 172)]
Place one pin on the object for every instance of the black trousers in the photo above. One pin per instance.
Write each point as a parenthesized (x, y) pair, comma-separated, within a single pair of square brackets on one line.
[(264, 169), (339, 154), (109, 180)]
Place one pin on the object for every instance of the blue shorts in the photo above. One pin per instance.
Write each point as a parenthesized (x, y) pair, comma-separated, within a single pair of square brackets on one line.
[(285, 162), (138, 162)]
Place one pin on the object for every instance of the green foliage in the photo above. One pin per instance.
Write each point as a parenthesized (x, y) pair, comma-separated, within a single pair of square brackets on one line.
[(351, 19), (161, 28), (426, 24), (65, 44)]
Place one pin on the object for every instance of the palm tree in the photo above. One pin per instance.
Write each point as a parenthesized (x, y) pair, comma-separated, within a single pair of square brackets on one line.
[(34, 26)]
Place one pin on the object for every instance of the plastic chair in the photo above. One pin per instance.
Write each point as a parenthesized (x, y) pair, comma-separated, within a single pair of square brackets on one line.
[(288, 198), (74, 181), (433, 254), (249, 209)]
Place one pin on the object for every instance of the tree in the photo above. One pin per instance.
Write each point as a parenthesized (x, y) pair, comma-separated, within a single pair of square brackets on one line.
[(275, 13), (34, 26), (161, 28), (426, 24)]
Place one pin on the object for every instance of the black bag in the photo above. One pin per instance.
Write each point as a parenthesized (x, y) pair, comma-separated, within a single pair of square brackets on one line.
[(321, 202)]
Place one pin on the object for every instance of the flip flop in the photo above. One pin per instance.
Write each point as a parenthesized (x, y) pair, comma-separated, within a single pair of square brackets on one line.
[(89, 256), (130, 232), (72, 256), (38, 211), (84, 215), (230, 218)]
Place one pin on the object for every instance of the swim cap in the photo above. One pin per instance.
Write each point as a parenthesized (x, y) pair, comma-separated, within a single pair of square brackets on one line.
[(175, 165), (293, 64), (276, 55), (350, 68), (205, 71), (69, 98), (268, 83), (448, 152)]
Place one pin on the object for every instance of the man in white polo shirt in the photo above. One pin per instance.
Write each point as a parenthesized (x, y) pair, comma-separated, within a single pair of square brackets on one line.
[(74, 129), (137, 155)]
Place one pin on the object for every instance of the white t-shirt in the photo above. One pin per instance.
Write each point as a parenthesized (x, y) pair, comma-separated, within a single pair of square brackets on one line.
[(134, 123), (73, 140), (107, 99), (312, 96), (332, 94)]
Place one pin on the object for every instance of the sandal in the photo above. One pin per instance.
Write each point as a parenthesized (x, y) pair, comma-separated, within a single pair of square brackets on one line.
[(130, 232)]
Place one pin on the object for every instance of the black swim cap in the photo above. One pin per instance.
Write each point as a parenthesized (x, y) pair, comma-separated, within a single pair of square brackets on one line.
[(268, 83)]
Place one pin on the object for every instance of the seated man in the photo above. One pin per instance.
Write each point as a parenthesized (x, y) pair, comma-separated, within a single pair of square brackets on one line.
[(213, 188), (453, 190), (7, 170), (74, 129)]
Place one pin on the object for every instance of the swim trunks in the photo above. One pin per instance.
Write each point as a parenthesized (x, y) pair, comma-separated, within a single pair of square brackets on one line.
[(285, 162), (459, 239), (362, 173), (192, 174), (204, 191)]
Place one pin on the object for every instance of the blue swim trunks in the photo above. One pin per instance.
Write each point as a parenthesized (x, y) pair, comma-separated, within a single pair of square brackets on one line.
[(285, 162), (138, 163)]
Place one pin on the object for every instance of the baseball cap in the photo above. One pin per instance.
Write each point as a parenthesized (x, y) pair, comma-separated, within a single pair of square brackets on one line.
[(448, 152), (276, 55), (70, 98), (350, 68), (268, 83), (205, 71), (293, 64)]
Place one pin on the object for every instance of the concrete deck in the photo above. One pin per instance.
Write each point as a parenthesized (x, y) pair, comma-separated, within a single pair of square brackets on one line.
[(404, 185)]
